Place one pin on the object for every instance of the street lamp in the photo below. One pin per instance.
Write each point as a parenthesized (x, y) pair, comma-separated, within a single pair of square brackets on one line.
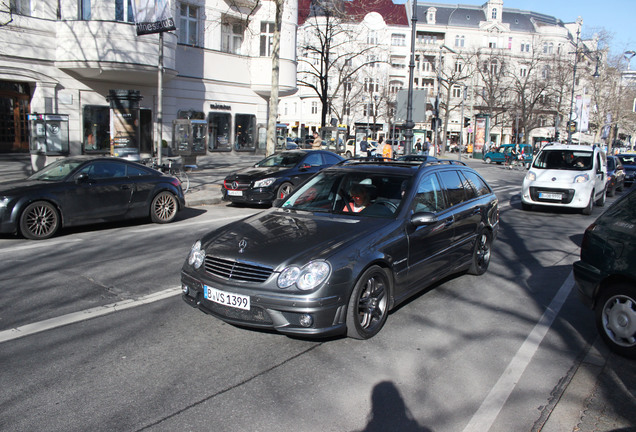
[(409, 124)]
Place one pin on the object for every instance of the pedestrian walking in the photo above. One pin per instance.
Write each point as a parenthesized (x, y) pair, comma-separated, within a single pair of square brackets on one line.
[(317, 144)]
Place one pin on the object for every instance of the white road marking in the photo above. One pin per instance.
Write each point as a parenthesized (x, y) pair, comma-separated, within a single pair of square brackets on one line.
[(49, 324), (489, 410)]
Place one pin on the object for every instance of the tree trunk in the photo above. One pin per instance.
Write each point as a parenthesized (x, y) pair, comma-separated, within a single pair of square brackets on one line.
[(273, 99)]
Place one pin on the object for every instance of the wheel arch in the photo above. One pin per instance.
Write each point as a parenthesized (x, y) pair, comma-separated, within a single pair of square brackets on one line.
[(21, 205), (608, 282)]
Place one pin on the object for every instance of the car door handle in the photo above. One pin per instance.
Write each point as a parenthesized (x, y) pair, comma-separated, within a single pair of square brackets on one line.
[(476, 211)]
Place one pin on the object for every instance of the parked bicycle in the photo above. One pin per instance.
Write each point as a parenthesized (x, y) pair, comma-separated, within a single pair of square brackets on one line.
[(172, 167)]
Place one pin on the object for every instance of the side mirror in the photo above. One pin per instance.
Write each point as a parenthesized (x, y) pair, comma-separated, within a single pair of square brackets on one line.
[(82, 178), (423, 218)]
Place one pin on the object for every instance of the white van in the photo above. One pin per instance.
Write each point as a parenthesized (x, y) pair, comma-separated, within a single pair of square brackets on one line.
[(566, 176)]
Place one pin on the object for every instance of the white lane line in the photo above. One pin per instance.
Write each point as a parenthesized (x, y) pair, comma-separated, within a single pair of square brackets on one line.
[(489, 410), (49, 324)]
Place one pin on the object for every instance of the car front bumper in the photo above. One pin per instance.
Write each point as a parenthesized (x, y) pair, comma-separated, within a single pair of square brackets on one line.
[(588, 278), (280, 312), (573, 196), (250, 196)]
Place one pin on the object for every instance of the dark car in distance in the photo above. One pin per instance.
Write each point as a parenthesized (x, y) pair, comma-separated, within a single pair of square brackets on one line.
[(629, 165), (275, 176), (606, 274), (83, 190), (345, 248), (615, 175)]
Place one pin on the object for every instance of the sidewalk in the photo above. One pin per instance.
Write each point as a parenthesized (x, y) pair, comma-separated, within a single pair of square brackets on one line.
[(597, 395)]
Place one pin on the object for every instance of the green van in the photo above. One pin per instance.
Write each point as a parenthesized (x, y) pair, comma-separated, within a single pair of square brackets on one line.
[(499, 155)]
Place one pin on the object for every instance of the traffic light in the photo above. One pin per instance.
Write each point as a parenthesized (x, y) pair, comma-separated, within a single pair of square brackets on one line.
[(466, 121)]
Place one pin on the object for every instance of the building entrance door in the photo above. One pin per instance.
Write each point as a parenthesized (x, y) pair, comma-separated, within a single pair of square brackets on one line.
[(14, 110)]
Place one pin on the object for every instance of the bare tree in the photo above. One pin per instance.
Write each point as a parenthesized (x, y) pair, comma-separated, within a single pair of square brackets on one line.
[(273, 100)]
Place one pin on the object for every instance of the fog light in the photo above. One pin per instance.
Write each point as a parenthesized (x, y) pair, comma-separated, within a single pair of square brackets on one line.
[(185, 288), (306, 320)]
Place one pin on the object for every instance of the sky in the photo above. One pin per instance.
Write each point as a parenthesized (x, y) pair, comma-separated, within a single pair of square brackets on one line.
[(615, 16)]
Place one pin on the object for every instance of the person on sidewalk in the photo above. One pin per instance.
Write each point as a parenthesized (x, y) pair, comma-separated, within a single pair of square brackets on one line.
[(317, 144)]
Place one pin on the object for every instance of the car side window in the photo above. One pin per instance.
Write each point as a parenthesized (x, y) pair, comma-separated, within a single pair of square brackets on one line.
[(104, 170), (133, 171), (331, 159), (313, 159), (429, 197), (454, 187), (476, 183)]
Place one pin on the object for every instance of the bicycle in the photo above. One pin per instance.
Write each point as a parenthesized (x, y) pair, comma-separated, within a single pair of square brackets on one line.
[(172, 167)]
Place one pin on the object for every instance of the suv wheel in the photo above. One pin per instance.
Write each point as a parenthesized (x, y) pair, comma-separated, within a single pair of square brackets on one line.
[(616, 318)]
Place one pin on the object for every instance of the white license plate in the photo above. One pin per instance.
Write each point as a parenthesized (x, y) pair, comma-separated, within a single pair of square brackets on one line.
[(552, 196), (225, 298), (235, 193)]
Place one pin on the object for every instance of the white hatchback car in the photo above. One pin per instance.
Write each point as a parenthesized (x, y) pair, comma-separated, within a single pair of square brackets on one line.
[(563, 175)]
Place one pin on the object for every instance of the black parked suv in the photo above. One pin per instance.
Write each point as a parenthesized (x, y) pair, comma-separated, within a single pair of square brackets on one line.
[(606, 274), (275, 176), (346, 247)]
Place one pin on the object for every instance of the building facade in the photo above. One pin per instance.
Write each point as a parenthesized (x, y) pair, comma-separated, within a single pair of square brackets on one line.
[(492, 74), (66, 57)]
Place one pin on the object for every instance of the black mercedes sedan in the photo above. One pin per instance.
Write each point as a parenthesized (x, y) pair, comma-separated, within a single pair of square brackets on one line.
[(346, 247), (275, 176), (83, 190)]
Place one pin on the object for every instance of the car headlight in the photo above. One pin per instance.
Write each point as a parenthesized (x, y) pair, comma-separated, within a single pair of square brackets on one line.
[(264, 182), (197, 255), (581, 178), (531, 176), (306, 278)]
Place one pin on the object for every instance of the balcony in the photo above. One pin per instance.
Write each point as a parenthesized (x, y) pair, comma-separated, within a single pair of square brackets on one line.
[(112, 51)]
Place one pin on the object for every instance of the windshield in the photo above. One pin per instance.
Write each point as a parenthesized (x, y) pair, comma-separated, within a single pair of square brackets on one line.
[(576, 160), (367, 194), (58, 170), (286, 160)]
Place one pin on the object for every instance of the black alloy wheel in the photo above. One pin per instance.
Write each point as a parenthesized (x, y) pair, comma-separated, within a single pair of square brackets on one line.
[(164, 207), (481, 253), (39, 220), (368, 306)]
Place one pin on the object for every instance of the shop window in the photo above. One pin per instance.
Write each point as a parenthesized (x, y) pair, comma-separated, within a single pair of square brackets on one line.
[(96, 129), (245, 131), (219, 128)]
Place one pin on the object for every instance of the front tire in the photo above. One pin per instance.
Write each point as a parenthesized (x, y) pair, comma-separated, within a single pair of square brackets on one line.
[(368, 306), (164, 207), (488, 160), (590, 205), (39, 221), (284, 190), (481, 253), (615, 314)]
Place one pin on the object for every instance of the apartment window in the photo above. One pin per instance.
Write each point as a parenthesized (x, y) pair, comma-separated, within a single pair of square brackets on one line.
[(457, 91), (371, 60), (398, 39), (494, 67), (459, 40), (348, 84), (494, 13), (85, 9), (347, 110), (371, 85), (525, 47), (523, 72), (123, 11), (548, 48), (492, 43), (372, 38), (20, 7), (267, 36), (394, 86), (369, 109), (231, 37), (314, 107), (458, 67), (545, 73), (188, 24)]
